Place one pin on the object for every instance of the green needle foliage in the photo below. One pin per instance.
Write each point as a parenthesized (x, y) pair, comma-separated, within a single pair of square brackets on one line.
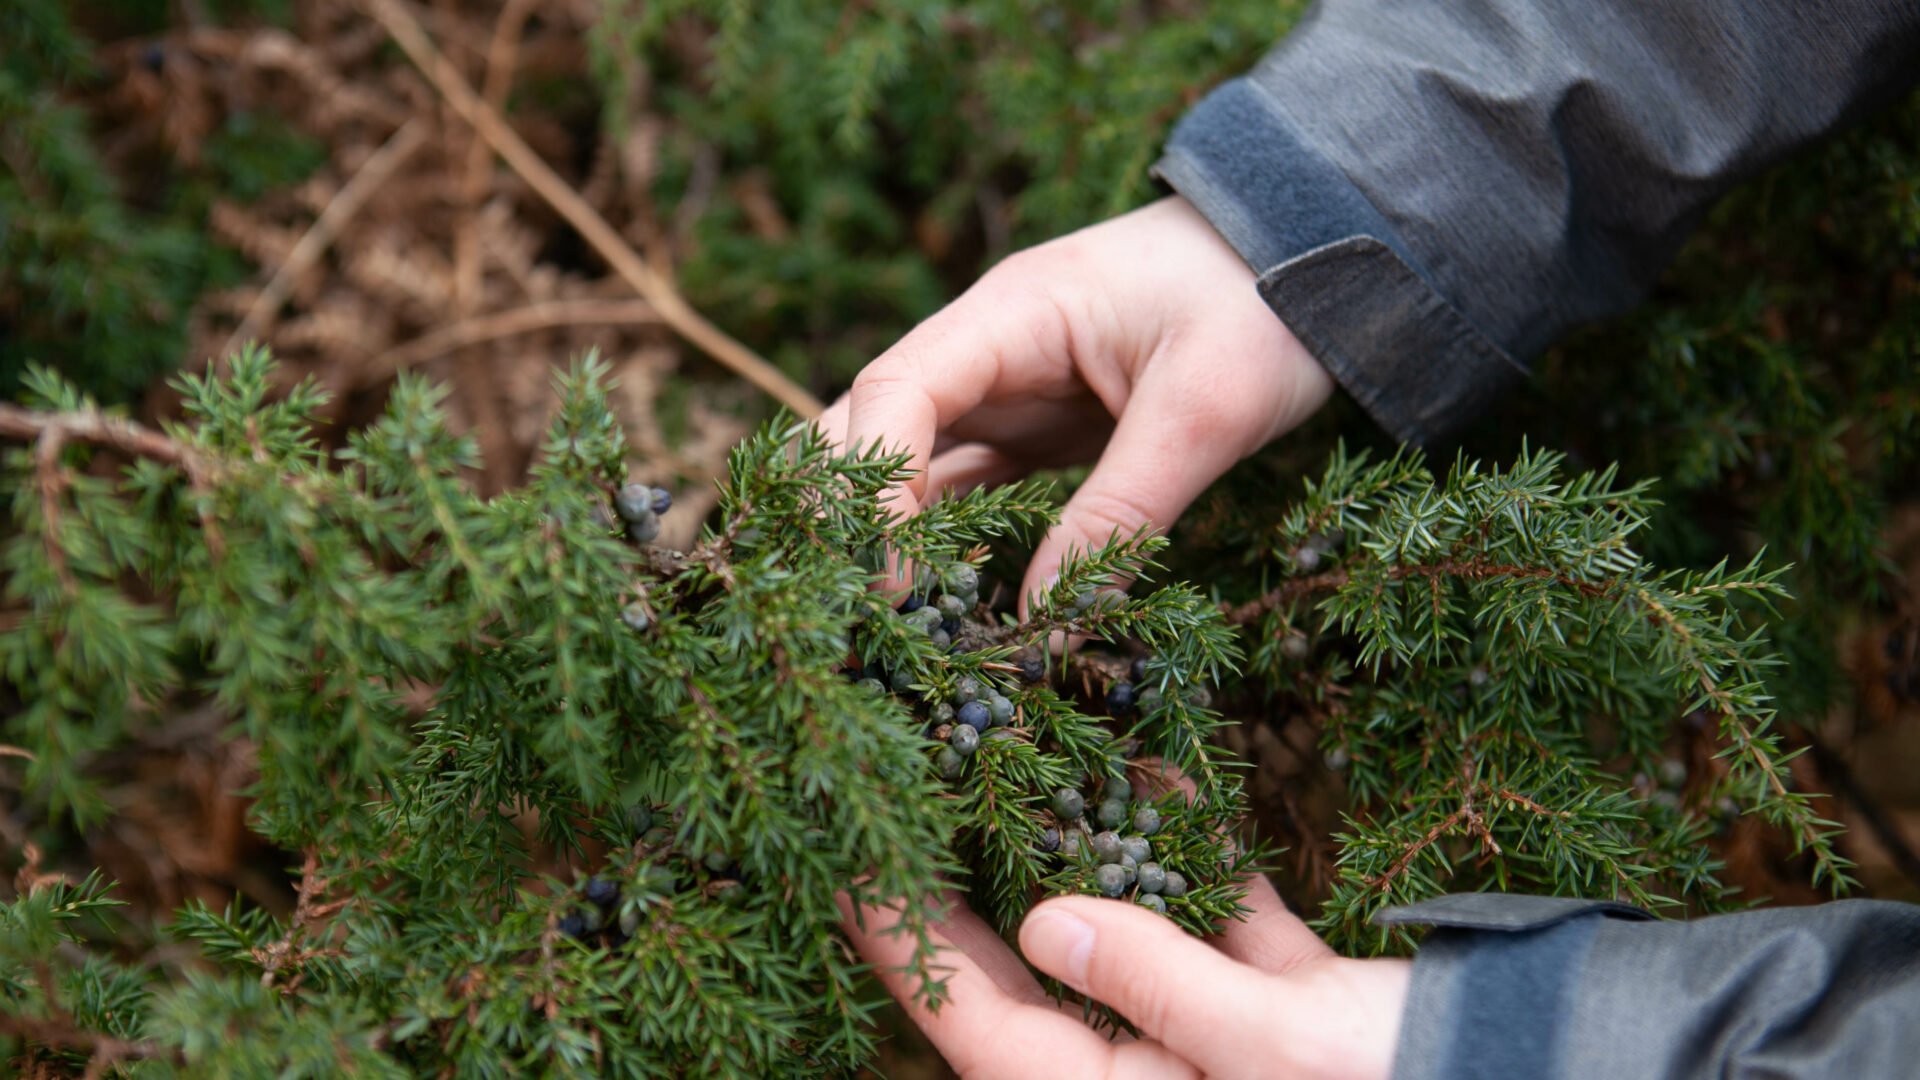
[(425, 672), (1487, 658)]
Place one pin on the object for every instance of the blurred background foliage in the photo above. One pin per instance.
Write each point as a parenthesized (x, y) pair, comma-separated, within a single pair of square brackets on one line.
[(819, 176)]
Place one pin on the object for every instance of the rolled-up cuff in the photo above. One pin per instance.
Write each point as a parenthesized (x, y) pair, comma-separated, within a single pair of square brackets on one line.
[(1494, 984), (1405, 354), (1331, 267)]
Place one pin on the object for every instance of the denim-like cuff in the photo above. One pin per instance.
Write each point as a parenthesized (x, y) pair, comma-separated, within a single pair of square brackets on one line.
[(1332, 268)]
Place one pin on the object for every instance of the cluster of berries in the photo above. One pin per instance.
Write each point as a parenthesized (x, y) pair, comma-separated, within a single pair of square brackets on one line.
[(1122, 862), (941, 616), (608, 911), (640, 507)]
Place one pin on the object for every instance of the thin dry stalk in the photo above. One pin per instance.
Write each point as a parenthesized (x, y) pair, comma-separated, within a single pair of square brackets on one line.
[(673, 308), (344, 205), (500, 324)]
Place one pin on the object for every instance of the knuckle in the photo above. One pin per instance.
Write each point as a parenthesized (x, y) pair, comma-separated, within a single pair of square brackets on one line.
[(1098, 514)]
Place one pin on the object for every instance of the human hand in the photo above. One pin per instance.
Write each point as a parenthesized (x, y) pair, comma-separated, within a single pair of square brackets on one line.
[(1143, 335), (1266, 999)]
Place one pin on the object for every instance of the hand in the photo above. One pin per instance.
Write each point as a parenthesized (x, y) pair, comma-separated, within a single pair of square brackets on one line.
[(1143, 335), (1266, 999)]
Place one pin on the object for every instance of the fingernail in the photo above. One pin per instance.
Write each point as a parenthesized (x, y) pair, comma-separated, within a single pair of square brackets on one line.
[(1060, 945)]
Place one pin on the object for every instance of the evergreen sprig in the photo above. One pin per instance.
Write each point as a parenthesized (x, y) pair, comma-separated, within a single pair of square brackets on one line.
[(560, 801), (1480, 651)]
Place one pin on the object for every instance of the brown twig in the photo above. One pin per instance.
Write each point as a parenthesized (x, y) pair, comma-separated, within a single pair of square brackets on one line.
[(524, 320), (51, 431), (673, 308), (319, 236)]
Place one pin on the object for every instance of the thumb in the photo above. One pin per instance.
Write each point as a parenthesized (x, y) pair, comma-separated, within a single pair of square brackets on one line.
[(1175, 988)]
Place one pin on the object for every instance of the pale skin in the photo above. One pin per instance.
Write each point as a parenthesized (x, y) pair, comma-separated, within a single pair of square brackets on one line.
[(1266, 998), (1142, 345)]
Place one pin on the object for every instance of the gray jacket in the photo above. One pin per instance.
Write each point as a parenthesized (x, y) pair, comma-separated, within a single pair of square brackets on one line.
[(1433, 191), (1546, 988)]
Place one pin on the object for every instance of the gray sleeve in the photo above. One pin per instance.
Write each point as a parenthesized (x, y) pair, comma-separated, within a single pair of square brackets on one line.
[(1435, 190), (1555, 989)]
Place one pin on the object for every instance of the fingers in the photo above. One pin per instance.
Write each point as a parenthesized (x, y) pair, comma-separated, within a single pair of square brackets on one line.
[(1162, 456), (947, 366), (1271, 937), (968, 466), (1201, 1005), (983, 1029)]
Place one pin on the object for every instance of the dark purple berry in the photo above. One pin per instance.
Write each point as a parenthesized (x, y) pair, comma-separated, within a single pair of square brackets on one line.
[(573, 926), (1120, 698), (662, 500), (601, 891), (1032, 669), (1049, 841), (912, 604), (950, 627), (1139, 669), (975, 715)]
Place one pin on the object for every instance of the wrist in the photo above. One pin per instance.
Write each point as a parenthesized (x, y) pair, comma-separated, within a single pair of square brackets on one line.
[(1344, 1018)]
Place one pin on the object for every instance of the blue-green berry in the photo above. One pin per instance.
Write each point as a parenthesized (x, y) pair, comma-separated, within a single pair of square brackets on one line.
[(1131, 866), (1153, 877), (940, 713), (630, 921), (949, 762), (633, 502), (963, 579), (1115, 787), (1111, 814), (940, 638), (1151, 903), (1000, 735), (1068, 804), (592, 919), (966, 689), (1106, 846), (1176, 885), (901, 679), (636, 618), (872, 686), (645, 529), (1137, 847), (950, 606), (1070, 844), (716, 860), (639, 818), (1146, 821), (975, 715), (964, 740), (1111, 879), (1001, 710)]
